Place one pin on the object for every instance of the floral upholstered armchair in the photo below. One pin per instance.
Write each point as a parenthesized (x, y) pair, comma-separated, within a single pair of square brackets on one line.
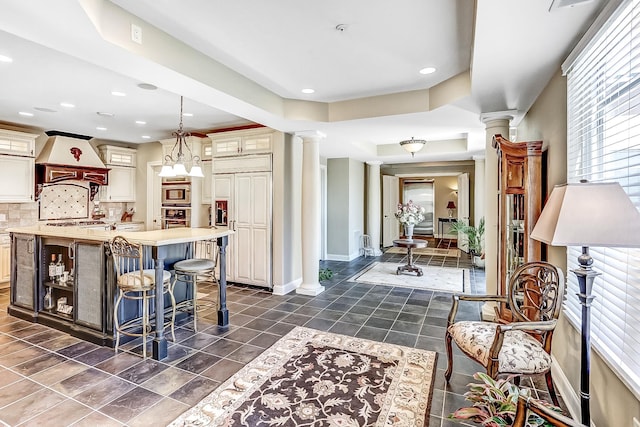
[(522, 347)]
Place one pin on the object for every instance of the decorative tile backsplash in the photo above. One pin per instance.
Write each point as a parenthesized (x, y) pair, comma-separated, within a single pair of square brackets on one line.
[(64, 201)]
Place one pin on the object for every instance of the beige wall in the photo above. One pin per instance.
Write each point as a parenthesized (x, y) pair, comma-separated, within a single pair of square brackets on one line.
[(612, 403)]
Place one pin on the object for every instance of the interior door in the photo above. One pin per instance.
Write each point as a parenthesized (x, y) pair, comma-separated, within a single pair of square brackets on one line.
[(390, 200), (463, 208)]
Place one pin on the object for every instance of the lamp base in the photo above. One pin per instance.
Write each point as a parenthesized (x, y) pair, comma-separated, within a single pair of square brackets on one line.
[(450, 213)]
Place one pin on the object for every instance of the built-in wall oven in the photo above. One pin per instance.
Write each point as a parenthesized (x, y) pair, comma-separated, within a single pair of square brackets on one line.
[(176, 193), (176, 216)]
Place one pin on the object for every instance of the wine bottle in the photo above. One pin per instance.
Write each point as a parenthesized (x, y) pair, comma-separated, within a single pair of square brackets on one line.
[(59, 267), (48, 300), (52, 268)]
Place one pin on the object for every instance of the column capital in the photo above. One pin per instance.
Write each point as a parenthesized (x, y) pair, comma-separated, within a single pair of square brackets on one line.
[(313, 135), (478, 157), (374, 163), (498, 115)]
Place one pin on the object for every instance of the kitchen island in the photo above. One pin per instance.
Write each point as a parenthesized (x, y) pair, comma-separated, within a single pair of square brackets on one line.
[(90, 290)]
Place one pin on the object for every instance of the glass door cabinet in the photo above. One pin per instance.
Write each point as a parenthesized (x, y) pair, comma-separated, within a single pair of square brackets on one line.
[(519, 206)]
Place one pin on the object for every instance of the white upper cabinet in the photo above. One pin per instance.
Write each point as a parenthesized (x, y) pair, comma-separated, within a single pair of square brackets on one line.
[(122, 174), (239, 142), (17, 166)]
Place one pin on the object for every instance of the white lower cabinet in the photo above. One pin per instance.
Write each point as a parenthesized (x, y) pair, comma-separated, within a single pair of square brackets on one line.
[(5, 261), (248, 201)]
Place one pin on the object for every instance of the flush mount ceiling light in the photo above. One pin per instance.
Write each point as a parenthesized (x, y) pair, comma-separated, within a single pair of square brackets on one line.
[(117, 93), (4, 58), (175, 161), (67, 105), (413, 145), (141, 122), (427, 70), (25, 114), (308, 90)]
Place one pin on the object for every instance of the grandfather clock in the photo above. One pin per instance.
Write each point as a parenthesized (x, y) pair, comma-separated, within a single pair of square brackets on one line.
[(519, 206)]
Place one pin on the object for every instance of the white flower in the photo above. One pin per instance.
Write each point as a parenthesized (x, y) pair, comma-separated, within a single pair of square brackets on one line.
[(410, 213)]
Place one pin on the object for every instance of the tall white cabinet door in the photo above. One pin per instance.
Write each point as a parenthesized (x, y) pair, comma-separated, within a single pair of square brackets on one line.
[(223, 189), (17, 176), (252, 209)]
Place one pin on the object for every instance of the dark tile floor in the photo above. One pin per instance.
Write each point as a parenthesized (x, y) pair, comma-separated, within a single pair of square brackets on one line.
[(48, 378)]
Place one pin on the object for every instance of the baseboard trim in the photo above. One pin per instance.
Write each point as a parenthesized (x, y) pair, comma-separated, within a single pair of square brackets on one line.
[(334, 257), (287, 287)]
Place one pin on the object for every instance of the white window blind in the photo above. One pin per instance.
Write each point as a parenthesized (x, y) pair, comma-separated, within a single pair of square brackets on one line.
[(603, 101)]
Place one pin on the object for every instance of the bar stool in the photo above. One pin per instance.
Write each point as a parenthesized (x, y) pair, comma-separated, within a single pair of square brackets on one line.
[(191, 271), (136, 283)]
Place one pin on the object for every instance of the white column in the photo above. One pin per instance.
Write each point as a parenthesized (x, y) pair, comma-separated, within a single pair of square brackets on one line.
[(310, 212), (495, 123), (373, 206)]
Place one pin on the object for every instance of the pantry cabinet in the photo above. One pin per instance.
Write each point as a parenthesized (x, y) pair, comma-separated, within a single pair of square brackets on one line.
[(17, 156)]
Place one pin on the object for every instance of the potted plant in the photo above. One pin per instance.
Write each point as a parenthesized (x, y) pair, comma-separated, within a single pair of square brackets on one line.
[(494, 403), (475, 239), (325, 274)]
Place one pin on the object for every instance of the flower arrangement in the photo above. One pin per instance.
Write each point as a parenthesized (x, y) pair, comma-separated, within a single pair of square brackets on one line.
[(410, 213)]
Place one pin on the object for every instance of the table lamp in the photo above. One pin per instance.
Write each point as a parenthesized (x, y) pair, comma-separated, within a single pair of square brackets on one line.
[(451, 206), (588, 214)]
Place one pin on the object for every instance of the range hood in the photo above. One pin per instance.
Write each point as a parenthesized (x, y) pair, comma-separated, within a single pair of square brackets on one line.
[(69, 157), (70, 151)]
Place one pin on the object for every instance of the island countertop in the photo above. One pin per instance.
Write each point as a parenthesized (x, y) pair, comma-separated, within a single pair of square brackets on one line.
[(150, 238)]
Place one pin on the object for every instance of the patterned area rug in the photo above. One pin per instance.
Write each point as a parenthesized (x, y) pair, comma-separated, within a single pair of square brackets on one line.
[(433, 278), (314, 378), (426, 251)]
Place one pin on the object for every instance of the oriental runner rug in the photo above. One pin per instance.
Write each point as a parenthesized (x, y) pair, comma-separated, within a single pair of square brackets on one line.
[(426, 251), (315, 378), (433, 278)]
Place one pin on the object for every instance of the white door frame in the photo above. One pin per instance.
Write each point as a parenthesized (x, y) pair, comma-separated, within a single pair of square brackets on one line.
[(153, 189), (323, 212)]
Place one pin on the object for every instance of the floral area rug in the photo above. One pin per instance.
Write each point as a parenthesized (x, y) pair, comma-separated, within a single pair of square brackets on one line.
[(433, 278), (314, 378)]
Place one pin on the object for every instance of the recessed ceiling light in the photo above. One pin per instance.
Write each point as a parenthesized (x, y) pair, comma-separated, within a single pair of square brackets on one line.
[(147, 86), (141, 122), (45, 109), (4, 58), (26, 114), (101, 128), (308, 90), (428, 70), (145, 137), (116, 93), (67, 105), (105, 114), (187, 114)]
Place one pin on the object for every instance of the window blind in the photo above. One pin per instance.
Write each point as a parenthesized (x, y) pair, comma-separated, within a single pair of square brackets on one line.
[(603, 145)]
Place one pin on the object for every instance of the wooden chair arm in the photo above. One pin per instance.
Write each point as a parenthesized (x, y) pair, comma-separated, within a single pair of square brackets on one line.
[(526, 404), (456, 298), (541, 326)]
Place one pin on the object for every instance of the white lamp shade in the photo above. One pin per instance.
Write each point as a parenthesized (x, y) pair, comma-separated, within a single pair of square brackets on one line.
[(589, 214), (166, 171), (180, 170), (196, 171), (413, 145)]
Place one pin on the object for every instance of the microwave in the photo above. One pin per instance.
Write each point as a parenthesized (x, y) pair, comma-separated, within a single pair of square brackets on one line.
[(176, 194)]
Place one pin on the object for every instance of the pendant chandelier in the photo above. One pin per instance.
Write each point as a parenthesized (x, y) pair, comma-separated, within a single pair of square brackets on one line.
[(175, 162), (413, 145)]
